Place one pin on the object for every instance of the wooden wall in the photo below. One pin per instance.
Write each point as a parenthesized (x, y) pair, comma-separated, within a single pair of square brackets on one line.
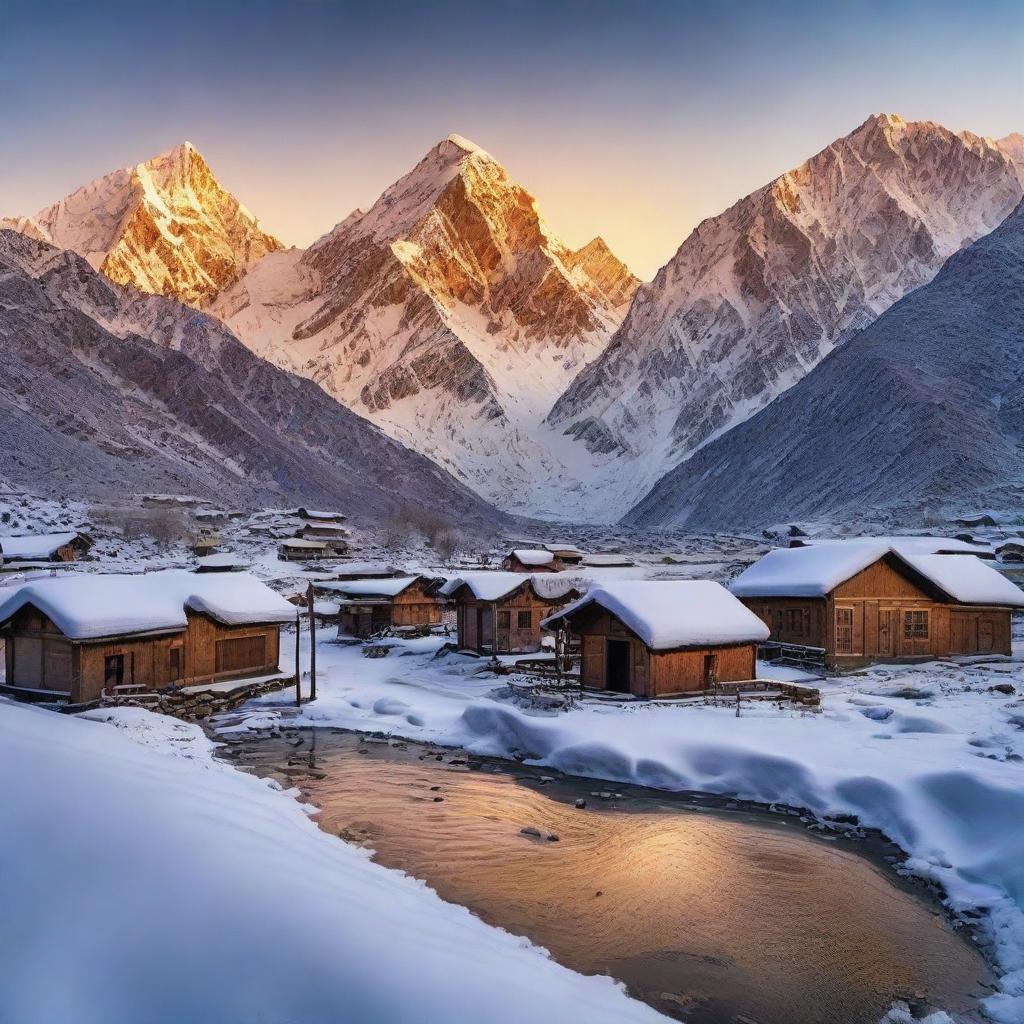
[(39, 656), (792, 620)]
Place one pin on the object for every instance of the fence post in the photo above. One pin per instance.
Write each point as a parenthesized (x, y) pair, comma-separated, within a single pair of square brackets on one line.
[(312, 643), (298, 665)]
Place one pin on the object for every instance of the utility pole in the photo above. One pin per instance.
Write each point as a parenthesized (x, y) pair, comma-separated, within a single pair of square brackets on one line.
[(312, 643), (298, 667)]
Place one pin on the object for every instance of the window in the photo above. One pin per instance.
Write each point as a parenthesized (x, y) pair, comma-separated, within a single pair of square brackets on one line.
[(844, 631), (795, 620), (525, 619), (113, 670), (915, 625), (240, 653), (505, 619)]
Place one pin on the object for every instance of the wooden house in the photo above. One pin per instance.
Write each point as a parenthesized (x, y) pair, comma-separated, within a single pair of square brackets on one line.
[(301, 549), (568, 555), (661, 638), (865, 602), (501, 612), (82, 637), (528, 560), (44, 547), (315, 516), (370, 605)]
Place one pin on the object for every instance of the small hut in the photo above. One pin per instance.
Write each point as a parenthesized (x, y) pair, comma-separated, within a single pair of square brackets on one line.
[(367, 606), (501, 612), (568, 555), (865, 602), (81, 637), (301, 549), (530, 560), (660, 638), (44, 547), (315, 516)]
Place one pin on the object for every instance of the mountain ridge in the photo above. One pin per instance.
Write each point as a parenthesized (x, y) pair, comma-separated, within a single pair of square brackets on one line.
[(756, 296), (921, 412), (111, 392)]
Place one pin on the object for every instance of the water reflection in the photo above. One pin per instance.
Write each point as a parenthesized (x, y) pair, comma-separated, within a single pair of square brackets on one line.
[(709, 916)]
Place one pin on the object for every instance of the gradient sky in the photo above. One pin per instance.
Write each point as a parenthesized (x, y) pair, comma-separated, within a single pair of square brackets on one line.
[(629, 120)]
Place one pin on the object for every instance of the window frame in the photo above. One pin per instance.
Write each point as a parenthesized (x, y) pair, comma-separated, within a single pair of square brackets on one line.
[(917, 624), (528, 613), (844, 631)]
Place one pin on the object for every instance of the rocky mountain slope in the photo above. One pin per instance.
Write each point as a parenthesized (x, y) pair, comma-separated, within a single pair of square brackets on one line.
[(448, 314), (757, 296), (106, 392), (165, 226), (922, 411)]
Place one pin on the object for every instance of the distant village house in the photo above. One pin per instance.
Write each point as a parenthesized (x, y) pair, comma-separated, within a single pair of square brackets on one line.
[(44, 547), (82, 637), (501, 612), (867, 602), (653, 638), (368, 606)]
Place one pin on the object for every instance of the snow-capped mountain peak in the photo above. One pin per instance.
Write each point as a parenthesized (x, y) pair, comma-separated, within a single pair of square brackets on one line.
[(165, 226), (448, 313)]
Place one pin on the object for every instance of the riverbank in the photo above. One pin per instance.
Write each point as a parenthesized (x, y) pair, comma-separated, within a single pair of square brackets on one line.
[(930, 755), (151, 882)]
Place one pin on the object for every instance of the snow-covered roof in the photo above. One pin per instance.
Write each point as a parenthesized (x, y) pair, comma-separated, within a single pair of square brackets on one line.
[(912, 545), (569, 549), (303, 542), (817, 570), (607, 560), (967, 579), (39, 545), (806, 572), (87, 606), (312, 513), (493, 586), (529, 556), (359, 569), (667, 614), (388, 587), (223, 560)]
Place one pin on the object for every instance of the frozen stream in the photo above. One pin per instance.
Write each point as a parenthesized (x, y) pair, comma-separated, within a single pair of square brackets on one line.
[(707, 911)]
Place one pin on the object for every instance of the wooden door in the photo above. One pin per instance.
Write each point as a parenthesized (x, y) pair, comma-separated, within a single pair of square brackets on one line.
[(888, 622), (485, 626), (617, 665)]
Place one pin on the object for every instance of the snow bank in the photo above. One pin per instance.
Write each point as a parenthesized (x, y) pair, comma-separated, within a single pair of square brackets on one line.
[(145, 882), (88, 606), (666, 614)]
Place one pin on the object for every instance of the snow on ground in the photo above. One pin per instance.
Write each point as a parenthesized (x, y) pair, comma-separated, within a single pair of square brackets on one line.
[(926, 753), (149, 882)]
